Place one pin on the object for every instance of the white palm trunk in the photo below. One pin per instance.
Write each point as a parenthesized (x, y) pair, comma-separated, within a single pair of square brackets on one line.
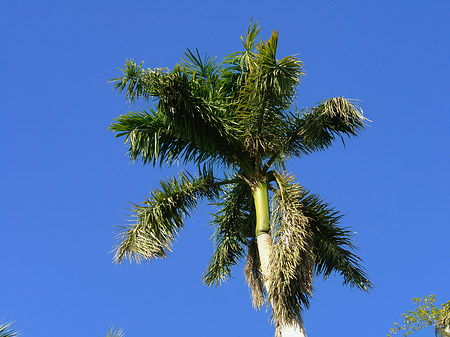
[(292, 331), (265, 250)]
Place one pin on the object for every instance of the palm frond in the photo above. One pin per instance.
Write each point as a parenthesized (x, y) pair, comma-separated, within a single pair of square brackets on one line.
[(254, 276), (318, 128), (194, 113), (160, 217), (250, 41), (115, 332), (7, 331), (332, 245), (205, 68), (276, 80), (137, 82), (150, 138), (235, 66), (291, 266), (293, 142), (195, 116), (229, 237), (268, 91)]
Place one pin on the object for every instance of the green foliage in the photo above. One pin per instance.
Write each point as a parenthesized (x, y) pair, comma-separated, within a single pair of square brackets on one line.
[(238, 116), (424, 315)]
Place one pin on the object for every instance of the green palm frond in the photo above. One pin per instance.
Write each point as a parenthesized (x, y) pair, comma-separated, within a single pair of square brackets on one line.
[(194, 118), (273, 82), (316, 129), (337, 116), (115, 332), (150, 138), (269, 90), (160, 217), (205, 68), (235, 66), (7, 331), (136, 81), (291, 265), (332, 244), (250, 41), (293, 142), (190, 122), (254, 276), (231, 222)]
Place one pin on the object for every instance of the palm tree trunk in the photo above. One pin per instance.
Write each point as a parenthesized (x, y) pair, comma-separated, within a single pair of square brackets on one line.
[(265, 247)]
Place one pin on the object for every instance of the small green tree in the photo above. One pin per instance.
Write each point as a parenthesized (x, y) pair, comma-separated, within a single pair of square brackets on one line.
[(424, 315)]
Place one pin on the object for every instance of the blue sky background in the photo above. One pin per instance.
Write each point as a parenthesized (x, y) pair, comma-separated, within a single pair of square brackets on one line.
[(65, 180)]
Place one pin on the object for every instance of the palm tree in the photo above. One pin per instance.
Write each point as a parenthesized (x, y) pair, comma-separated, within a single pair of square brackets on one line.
[(236, 122)]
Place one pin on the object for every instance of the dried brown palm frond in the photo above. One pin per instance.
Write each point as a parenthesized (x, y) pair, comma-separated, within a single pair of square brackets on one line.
[(292, 261), (254, 276)]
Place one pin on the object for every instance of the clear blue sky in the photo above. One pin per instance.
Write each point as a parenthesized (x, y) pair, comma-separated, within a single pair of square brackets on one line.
[(65, 180)]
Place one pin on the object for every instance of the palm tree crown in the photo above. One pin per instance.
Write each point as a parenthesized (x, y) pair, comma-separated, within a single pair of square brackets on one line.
[(238, 117)]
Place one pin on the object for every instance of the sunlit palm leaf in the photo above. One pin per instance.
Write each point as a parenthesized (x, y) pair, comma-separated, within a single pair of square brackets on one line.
[(115, 332), (205, 68), (194, 118), (229, 238), (7, 331), (235, 66), (316, 129), (150, 138), (271, 82), (291, 264), (160, 217), (136, 81), (268, 91), (336, 117), (191, 113), (332, 244)]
